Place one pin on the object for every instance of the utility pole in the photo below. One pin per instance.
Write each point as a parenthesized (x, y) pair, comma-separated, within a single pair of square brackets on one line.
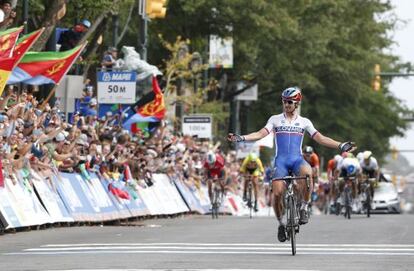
[(115, 29), (143, 29), (25, 15)]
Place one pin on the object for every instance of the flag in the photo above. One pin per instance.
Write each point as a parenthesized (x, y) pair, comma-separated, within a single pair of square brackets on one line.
[(23, 45), (118, 192), (147, 109), (38, 68), (8, 40)]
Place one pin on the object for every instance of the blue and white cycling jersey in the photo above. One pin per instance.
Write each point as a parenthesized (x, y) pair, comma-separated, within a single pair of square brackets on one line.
[(288, 142)]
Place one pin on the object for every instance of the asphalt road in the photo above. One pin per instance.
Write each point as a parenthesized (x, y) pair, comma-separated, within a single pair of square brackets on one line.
[(382, 242)]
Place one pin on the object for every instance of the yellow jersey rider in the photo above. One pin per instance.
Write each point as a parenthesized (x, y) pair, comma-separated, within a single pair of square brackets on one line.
[(252, 168)]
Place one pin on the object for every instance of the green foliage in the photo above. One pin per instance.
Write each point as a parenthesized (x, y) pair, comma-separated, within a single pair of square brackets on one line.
[(327, 47)]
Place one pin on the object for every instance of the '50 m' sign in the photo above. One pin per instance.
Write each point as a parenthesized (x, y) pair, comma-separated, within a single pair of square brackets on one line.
[(116, 87)]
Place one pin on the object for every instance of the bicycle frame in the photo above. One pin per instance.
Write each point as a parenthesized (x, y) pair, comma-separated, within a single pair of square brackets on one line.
[(292, 210), (217, 196)]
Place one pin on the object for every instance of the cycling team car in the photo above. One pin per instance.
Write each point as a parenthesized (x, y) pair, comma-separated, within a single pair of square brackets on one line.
[(289, 129), (252, 168)]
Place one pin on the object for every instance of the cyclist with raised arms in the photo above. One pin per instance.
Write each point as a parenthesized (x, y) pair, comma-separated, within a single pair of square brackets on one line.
[(252, 168), (289, 129)]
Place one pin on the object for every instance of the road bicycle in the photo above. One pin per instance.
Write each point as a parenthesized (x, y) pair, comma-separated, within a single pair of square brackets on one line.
[(366, 192), (217, 198), (292, 207), (250, 196), (347, 196)]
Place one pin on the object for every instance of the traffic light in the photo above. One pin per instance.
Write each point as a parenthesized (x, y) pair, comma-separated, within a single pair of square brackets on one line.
[(156, 8), (376, 83)]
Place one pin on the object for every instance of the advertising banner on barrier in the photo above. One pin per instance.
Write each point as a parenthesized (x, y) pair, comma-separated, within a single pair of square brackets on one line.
[(100, 196), (126, 197), (8, 212), (201, 194), (50, 198), (28, 208), (123, 211), (187, 194), (75, 200), (170, 197), (152, 200)]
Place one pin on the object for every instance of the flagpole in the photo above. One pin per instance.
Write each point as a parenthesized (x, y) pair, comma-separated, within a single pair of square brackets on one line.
[(52, 92)]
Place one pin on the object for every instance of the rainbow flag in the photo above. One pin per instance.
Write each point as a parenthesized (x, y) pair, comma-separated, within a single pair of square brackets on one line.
[(38, 68)]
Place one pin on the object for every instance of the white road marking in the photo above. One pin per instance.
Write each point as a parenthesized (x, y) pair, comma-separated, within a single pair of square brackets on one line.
[(185, 270), (228, 244), (359, 253), (217, 248)]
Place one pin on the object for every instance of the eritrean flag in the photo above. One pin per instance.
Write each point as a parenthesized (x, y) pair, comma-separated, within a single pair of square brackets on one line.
[(38, 68), (23, 45), (8, 40), (152, 111)]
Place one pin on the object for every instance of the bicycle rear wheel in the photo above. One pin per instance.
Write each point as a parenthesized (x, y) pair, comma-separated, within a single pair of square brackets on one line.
[(292, 223), (368, 202), (250, 200)]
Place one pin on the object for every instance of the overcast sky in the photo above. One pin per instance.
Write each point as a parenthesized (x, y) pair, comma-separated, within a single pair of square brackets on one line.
[(404, 88)]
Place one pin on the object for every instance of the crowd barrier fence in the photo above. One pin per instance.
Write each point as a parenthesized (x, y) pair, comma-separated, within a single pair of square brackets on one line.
[(36, 198)]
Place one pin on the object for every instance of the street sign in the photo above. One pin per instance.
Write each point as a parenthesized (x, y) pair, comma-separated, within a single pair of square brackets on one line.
[(197, 125), (116, 87), (249, 94), (221, 52)]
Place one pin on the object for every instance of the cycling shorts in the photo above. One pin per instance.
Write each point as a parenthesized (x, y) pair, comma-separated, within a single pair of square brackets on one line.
[(286, 164), (253, 171), (211, 176)]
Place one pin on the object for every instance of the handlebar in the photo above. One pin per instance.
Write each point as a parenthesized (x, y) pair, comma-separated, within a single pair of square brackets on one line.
[(291, 178)]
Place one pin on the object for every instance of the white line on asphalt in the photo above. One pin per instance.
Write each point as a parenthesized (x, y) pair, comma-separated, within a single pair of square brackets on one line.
[(229, 244), (358, 253), (184, 270), (219, 248)]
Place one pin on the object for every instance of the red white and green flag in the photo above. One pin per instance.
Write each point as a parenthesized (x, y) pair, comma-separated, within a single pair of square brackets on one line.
[(39, 68), (8, 40), (8, 64)]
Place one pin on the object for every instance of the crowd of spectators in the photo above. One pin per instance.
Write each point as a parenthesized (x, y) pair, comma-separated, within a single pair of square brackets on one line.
[(35, 136), (7, 14)]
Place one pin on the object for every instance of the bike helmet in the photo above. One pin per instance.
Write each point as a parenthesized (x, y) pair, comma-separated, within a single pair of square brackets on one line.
[(367, 155), (308, 150), (252, 156), (292, 93), (337, 158), (86, 23), (211, 158)]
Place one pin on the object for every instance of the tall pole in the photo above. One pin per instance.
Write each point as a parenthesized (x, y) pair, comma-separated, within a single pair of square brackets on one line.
[(143, 30), (115, 29), (25, 15)]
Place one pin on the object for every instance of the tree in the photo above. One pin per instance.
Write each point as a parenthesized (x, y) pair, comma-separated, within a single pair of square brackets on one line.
[(327, 47)]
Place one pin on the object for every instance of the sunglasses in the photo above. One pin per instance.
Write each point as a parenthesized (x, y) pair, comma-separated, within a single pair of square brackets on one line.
[(288, 102)]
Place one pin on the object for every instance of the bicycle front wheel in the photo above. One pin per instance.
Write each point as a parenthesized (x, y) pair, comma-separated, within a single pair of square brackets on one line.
[(292, 223), (368, 203)]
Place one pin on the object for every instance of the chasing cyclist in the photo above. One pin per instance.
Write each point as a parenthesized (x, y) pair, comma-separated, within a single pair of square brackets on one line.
[(252, 168), (370, 169), (289, 130), (214, 171)]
